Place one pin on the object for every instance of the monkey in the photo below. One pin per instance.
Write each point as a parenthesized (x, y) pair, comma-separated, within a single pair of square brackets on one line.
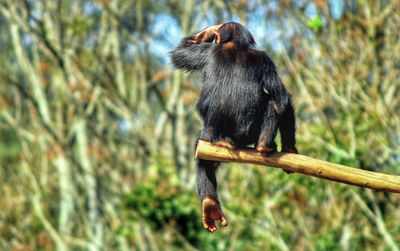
[(242, 102)]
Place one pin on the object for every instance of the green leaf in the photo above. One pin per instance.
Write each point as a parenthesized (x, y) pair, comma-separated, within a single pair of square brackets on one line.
[(315, 23)]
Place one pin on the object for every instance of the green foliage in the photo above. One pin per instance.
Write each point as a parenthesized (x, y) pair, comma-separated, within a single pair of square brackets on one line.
[(9, 146), (163, 204), (327, 241), (314, 23)]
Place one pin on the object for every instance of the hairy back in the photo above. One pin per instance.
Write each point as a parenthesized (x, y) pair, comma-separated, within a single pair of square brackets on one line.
[(232, 94)]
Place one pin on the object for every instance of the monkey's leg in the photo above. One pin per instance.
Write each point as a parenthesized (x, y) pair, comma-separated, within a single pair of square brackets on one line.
[(287, 127), (207, 189), (268, 131)]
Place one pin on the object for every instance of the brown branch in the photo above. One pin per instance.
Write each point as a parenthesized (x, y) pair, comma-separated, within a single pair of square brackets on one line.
[(301, 164)]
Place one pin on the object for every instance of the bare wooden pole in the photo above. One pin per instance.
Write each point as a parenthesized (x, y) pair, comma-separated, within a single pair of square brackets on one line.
[(301, 164)]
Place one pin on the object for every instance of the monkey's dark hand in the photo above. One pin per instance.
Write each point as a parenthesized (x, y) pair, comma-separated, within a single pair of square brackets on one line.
[(290, 150), (212, 212)]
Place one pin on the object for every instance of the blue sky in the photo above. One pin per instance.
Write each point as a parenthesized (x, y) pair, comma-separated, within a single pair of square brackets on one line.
[(169, 33)]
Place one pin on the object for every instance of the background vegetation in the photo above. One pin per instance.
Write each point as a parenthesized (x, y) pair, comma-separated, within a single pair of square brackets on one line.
[(97, 128)]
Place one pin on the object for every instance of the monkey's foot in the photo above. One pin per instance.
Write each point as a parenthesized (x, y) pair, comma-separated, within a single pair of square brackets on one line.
[(225, 142), (265, 149), (212, 212), (290, 150)]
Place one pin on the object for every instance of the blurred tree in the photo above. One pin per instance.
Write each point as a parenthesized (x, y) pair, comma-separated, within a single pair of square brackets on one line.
[(97, 130)]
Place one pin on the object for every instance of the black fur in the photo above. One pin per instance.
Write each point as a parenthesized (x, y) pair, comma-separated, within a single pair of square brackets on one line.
[(242, 96)]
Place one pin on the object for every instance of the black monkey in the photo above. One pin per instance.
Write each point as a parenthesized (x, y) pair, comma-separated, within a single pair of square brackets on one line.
[(242, 101)]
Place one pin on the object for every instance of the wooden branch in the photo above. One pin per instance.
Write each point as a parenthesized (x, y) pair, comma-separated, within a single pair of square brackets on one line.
[(301, 164)]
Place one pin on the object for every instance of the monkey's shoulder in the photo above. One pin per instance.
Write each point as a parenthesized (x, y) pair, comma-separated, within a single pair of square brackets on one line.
[(250, 57), (260, 56)]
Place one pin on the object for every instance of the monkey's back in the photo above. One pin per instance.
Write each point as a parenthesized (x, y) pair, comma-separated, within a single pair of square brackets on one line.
[(232, 101)]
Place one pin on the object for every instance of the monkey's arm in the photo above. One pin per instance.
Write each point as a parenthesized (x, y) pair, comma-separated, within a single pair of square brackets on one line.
[(274, 87), (287, 127), (283, 106), (191, 55)]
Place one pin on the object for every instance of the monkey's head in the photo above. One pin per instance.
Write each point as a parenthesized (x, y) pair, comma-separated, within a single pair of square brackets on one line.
[(235, 33)]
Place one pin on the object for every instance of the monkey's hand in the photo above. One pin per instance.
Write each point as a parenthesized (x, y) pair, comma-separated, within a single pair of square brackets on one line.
[(206, 35), (212, 212), (290, 150)]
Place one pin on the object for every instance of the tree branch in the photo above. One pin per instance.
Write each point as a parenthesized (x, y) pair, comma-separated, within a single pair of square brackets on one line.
[(302, 164)]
